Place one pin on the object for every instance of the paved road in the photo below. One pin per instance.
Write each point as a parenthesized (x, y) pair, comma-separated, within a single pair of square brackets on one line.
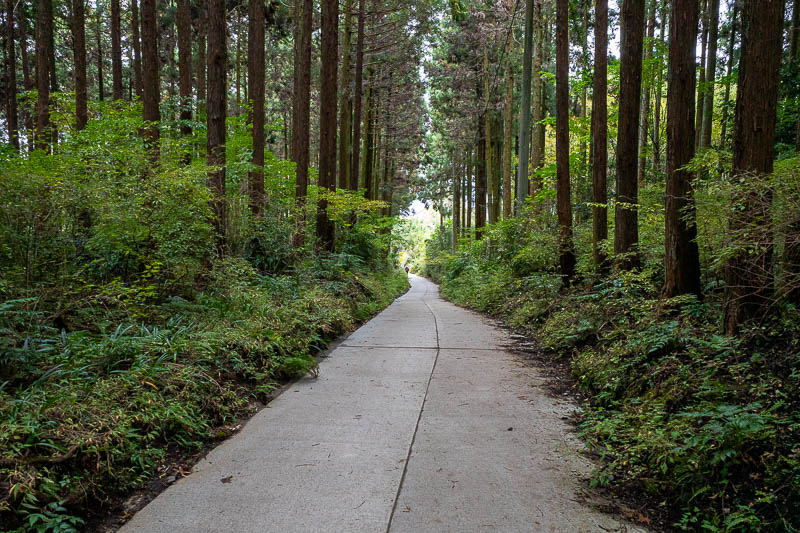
[(420, 421)]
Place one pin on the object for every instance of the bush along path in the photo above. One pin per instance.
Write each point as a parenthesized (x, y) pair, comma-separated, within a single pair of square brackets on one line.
[(101, 407), (701, 428)]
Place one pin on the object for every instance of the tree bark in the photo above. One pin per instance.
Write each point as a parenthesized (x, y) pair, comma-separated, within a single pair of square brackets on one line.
[(563, 199), (701, 79), (480, 181), (723, 133), (358, 91), (487, 116), (327, 118), (470, 166), (600, 134), (116, 51), (523, 183), (626, 229), (658, 91), (748, 274), (98, 34), (79, 50), (346, 102), (682, 260), (645, 111), (794, 33), (202, 61), (216, 110), (184, 23), (44, 29), (711, 69), (301, 109), (256, 82), (537, 132), (137, 49), (150, 80), (27, 79), (369, 135), (508, 123), (11, 78)]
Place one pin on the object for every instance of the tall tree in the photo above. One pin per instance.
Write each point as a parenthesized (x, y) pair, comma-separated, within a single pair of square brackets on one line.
[(44, 29), (116, 52), (563, 200), (98, 35), (184, 22), (79, 51), (538, 103), (508, 123), (729, 69), (480, 178), (202, 61), (525, 108), (137, 49), (487, 116), (645, 111), (11, 78), (327, 118), (626, 227), (27, 79), (255, 81), (301, 106), (358, 89), (701, 77), (711, 69), (346, 101), (216, 113), (150, 81), (600, 133), (748, 274), (682, 260)]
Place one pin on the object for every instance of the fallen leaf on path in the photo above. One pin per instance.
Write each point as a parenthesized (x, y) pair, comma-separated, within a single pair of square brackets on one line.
[(227, 479)]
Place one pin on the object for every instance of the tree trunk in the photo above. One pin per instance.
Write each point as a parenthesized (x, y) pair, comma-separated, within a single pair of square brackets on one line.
[(682, 260), (487, 116), (184, 23), (327, 118), (346, 101), (137, 49), (563, 201), (523, 183), (116, 52), (470, 166), (600, 134), (658, 91), (794, 33), (202, 61), (301, 108), (645, 111), (216, 110), (256, 82), (729, 69), (369, 133), (150, 80), (537, 132), (11, 78), (44, 28), (711, 69), (748, 275), (98, 34), (508, 124), (701, 79), (358, 90), (27, 78), (238, 62), (79, 50), (456, 201), (480, 181), (626, 228)]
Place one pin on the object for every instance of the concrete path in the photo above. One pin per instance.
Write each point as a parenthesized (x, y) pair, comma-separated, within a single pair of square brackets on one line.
[(420, 421)]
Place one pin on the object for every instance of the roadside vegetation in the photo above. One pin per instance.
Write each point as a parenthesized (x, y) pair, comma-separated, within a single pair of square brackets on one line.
[(701, 426), (125, 338)]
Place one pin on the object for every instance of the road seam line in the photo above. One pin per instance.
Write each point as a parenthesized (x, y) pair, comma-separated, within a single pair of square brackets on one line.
[(419, 417)]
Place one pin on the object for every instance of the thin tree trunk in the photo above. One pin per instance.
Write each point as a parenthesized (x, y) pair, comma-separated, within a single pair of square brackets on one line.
[(11, 78), (137, 49), (600, 134), (256, 82), (150, 79), (327, 118), (748, 275), (523, 183), (116, 52), (480, 181), (358, 90), (658, 91), (626, 228), (238, 61), (216, 112), (44, 28), (682, 260), (27, 78), (98, 34), (184, 23), (508, 123), (487, 116), (645, 111), (369, 110), (456, 201), (701, 79), (301, 109), (346, 101), (470, 167), (202, 61), (563, 202), (794, 33), (729, 69), (537, 133), (711, 69), (79, 50)]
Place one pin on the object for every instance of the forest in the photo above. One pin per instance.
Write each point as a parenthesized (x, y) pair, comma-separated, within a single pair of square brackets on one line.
[(198, 196)]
